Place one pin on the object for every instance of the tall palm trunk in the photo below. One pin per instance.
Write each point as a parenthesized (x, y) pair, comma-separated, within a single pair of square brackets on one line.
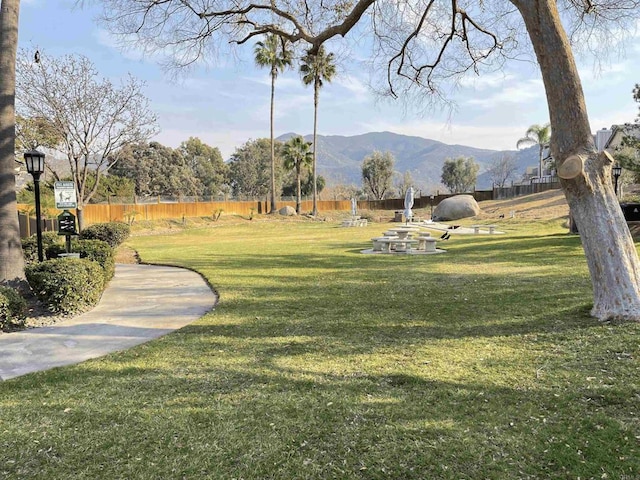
[(274, 73), (540, 153), (316, 94), (11, 259), (298, 190), (610, 252)]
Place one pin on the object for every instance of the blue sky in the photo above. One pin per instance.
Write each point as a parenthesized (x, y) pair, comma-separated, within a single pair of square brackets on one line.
[(228, 104)]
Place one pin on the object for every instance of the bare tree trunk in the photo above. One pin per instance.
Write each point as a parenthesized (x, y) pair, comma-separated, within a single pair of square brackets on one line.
[(11, 258), (80, 218), (586, 175), (540, 154), (273, 150), (316, 90), (298, 191)]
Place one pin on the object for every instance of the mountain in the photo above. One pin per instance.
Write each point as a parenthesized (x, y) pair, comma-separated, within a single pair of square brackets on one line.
[(340, 158)]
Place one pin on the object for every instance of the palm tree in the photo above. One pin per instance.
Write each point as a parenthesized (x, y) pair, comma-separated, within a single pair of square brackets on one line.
[(537, 135), (11, 258), (297, 155), (315, 69), (275, 54)]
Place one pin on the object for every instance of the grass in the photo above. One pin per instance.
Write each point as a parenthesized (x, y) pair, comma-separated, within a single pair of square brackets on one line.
[(320, 362)]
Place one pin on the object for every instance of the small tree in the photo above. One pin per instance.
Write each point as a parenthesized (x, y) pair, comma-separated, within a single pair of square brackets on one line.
[(403, 183), (459, 175), (206, 164), (93, 117), (297, 155), (377, 173), (157, 170), (502, 169), (249, 168)]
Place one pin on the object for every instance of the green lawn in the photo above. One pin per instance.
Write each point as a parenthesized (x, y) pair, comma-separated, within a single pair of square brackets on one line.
[(322, 363)]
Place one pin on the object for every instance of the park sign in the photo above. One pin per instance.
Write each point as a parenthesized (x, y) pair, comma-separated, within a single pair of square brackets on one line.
[(67, 224), (65, 195)]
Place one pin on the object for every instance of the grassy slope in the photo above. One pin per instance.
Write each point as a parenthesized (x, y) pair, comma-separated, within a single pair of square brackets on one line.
[(323, 363)]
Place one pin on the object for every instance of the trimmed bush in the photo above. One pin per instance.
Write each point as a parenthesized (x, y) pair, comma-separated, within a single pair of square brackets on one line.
[(30, 245), (95, 250), (67, 285), (114, 233), (12, 309)]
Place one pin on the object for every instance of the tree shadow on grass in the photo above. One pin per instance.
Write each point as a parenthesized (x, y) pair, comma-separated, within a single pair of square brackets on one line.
[(410, 424)]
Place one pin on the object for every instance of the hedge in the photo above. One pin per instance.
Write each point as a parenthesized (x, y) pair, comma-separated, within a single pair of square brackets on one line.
[(12, 309), (30, 245), (95, 250), (114, 233), (67, 285)]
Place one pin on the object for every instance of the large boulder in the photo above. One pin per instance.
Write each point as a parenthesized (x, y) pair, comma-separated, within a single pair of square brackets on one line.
[(287, 211), (454, 208)]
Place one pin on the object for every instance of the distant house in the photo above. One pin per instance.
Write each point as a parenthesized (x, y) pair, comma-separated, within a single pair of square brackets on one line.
[(615, 135)]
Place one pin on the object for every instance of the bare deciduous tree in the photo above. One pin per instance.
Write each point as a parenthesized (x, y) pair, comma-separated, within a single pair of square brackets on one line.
[(93, 117), (502, 169), (426, 45)]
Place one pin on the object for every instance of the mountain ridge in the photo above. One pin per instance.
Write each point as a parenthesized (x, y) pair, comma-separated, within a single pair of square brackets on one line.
[(340, 157)]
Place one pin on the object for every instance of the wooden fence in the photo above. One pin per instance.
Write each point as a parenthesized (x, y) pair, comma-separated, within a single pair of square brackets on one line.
[(526, 189), (101, 213), (28, 225)]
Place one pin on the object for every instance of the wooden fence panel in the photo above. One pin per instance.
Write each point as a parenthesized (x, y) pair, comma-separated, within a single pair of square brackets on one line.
[(102, 213)]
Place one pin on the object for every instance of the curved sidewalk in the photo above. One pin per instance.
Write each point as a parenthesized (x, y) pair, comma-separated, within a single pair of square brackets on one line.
[(142, 302)]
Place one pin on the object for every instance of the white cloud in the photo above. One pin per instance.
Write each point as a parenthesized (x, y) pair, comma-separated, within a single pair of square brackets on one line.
[(359, 90), (226, 140), (607, 119), (487, 80), (519, 92)]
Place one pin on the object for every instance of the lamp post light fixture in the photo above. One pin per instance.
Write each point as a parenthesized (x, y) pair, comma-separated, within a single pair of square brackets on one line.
[(34, 160), (617, 171)]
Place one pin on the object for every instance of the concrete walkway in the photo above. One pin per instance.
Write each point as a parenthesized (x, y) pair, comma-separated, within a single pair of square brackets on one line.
[(142, 302)]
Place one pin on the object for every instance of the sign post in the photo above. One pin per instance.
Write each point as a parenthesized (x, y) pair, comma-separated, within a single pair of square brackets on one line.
[(65, 195), (67, 227)]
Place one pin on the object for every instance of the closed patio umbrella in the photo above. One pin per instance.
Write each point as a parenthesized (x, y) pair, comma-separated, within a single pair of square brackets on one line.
[(354, 207)]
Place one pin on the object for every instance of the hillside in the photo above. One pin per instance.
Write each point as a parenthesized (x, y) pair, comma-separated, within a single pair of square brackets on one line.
[(340, 157), (547, 205)]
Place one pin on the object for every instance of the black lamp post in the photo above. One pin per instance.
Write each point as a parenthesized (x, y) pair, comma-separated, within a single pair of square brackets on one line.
[(617, 171), (34, 161), (431, 198)]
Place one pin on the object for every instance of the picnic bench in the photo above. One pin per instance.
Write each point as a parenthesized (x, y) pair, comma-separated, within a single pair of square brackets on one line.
[(386, 244), (476, 228), (392, 241), (426, 242), (355, 222)]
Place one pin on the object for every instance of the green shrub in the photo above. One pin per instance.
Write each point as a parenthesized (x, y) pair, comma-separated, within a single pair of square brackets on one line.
[(114, 233), (12, 309), (95, 250), (67, 285), (30, 245)]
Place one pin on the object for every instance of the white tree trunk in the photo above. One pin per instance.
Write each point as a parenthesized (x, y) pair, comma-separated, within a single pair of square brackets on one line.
[(610, 251)]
